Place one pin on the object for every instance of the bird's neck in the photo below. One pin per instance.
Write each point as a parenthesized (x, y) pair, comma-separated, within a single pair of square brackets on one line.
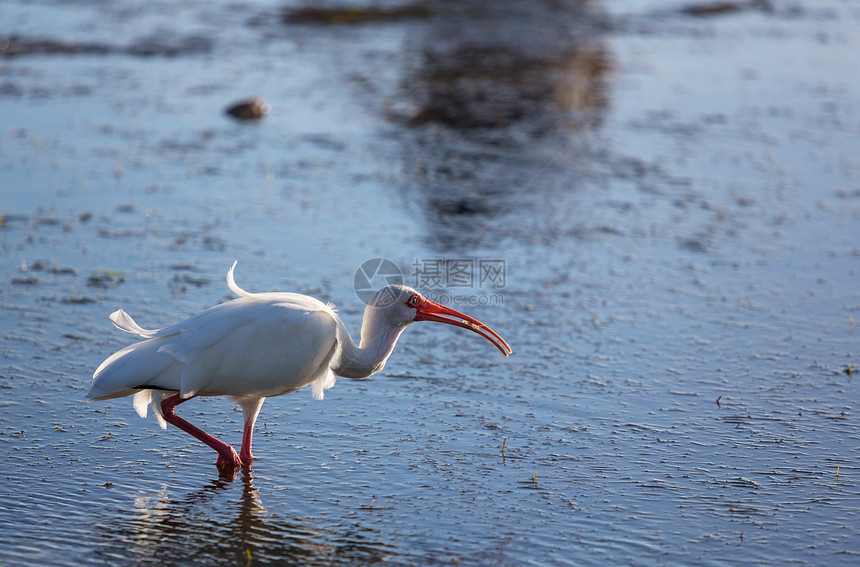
[(367, 358)]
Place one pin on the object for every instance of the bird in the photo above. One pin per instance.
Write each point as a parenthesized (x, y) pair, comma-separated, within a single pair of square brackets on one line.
[(257, 346)]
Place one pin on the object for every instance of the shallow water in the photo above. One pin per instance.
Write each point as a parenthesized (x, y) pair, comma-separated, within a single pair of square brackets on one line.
[(674, 190)]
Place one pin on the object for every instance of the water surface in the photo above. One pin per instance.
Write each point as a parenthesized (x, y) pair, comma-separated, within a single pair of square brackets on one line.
[(674, 189)]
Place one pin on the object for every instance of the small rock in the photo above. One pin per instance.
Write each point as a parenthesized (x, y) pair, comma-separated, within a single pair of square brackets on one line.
[(252, 109)]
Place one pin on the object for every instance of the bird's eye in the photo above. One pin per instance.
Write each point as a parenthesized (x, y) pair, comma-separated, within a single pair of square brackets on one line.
[(413, 301)]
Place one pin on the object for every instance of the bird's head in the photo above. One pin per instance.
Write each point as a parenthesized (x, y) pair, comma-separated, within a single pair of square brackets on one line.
[(399, 305)]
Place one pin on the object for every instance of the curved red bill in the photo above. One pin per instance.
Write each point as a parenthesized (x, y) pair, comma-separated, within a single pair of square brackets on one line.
[(432, 311)]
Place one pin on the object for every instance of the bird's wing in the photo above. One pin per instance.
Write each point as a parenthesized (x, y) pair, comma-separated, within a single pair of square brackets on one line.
[(258, 344), (137, 365), (265, 345), (159, 361)]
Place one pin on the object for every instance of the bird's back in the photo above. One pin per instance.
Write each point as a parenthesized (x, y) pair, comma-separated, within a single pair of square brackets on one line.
[(258, 345)]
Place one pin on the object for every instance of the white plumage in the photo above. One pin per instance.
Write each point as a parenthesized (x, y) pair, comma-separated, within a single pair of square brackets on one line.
[(233, 349), (257, 346)]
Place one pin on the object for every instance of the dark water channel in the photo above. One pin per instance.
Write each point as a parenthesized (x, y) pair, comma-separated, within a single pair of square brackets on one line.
[(672, 188)]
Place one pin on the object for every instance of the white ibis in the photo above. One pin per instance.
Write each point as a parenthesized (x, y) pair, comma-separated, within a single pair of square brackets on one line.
[(257, 346)]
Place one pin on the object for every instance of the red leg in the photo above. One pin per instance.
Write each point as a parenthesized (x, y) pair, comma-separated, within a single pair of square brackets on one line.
[(250, 410), (227, 457), (245, 453)]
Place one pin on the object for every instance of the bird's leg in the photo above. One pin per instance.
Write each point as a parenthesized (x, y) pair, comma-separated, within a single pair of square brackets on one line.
[(227, 457), (250, 411)]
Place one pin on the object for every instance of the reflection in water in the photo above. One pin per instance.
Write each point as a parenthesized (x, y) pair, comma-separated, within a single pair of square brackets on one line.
[(194, 529), (483, 87), (497, 93)]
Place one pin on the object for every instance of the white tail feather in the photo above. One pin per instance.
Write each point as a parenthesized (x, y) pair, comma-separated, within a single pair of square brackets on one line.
[(231, 282), (156, 406), (144, 398), (141, 402), (321, 384), (124, 322)]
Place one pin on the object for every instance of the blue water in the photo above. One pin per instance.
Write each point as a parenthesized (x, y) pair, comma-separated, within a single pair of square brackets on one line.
[(675, 199)]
